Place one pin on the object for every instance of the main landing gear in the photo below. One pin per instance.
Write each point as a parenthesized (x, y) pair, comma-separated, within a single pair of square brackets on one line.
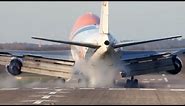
[(132, 83)]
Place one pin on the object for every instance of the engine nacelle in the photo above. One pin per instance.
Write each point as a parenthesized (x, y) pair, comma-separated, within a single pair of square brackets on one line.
[(14, 68), (177, 64)]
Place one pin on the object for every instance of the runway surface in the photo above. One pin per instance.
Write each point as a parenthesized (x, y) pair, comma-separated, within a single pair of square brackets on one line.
[(91, 96), (153, 90)]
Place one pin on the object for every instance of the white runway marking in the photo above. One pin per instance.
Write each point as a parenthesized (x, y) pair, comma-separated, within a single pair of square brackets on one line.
[(117, 88), (37, 96), (145, 81), (160, 79), (58, 90), (86, 88), (152, 79), (147, 89), (51, 93), (63, 92), (43, 92), (46, 96), (9, 88), (59, 96), (166, 80), (163, 75), (61, 89), (33, 96), (40, 88), (177, 89), (38, 102)]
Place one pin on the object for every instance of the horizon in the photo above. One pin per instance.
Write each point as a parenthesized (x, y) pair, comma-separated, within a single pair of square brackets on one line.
[(138, 20)]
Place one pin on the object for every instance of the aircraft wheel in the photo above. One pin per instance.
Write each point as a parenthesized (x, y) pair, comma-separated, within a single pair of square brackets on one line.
[(128, 83), (132, 83), (83, 82), (135, 83), (63, 80)]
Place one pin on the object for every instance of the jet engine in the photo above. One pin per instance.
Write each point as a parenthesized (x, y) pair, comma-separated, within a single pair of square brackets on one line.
[(177, 64), (14, 68)]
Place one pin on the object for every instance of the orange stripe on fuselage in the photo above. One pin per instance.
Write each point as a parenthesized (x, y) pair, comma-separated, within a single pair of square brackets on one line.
[(84, 20)]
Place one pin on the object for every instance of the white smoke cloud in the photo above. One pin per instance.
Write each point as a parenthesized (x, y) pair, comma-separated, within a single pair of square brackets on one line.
[(8, 81), (98, 75)]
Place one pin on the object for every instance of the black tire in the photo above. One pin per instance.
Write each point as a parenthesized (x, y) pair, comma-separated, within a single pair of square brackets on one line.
[(79, 80), (83, 82), (132, 83), (128, 83), (63, 80), (135, 83)]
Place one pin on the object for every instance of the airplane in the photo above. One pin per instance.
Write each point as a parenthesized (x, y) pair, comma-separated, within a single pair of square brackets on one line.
[(97, 56)]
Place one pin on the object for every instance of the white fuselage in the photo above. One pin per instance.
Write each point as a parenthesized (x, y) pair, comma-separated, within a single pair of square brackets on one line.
[(104, 56)]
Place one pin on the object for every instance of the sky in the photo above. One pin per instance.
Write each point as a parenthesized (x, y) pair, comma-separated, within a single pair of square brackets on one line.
[(127, 20)]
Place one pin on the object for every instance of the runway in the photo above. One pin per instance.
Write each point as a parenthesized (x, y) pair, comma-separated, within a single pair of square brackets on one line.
[(92, 96), (153, 90)]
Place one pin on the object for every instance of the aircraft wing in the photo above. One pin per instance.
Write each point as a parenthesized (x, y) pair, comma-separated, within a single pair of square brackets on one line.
[(137, 54), (33, 63), (134, 54), (146, 62)]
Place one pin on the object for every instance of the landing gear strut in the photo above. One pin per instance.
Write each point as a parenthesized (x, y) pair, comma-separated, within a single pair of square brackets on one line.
[(132, 83)]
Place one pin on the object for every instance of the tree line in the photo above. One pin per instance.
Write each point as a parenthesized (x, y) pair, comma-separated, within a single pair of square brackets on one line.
[(31, 46)]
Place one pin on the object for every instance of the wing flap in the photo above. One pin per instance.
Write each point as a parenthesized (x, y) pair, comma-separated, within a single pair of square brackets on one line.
[(46, 66), (5, 59)]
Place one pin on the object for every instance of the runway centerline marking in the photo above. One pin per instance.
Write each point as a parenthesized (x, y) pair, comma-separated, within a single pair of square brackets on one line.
[(46, 96), (147, 89), (39, 88), (152, 79), (145, 81), (166, 80), (58, 90), (86, 88), (177, 89), (63, 92), (62, 89), (9, 88), (117, 88), (38, 102), (52, 93), (160, 79)]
